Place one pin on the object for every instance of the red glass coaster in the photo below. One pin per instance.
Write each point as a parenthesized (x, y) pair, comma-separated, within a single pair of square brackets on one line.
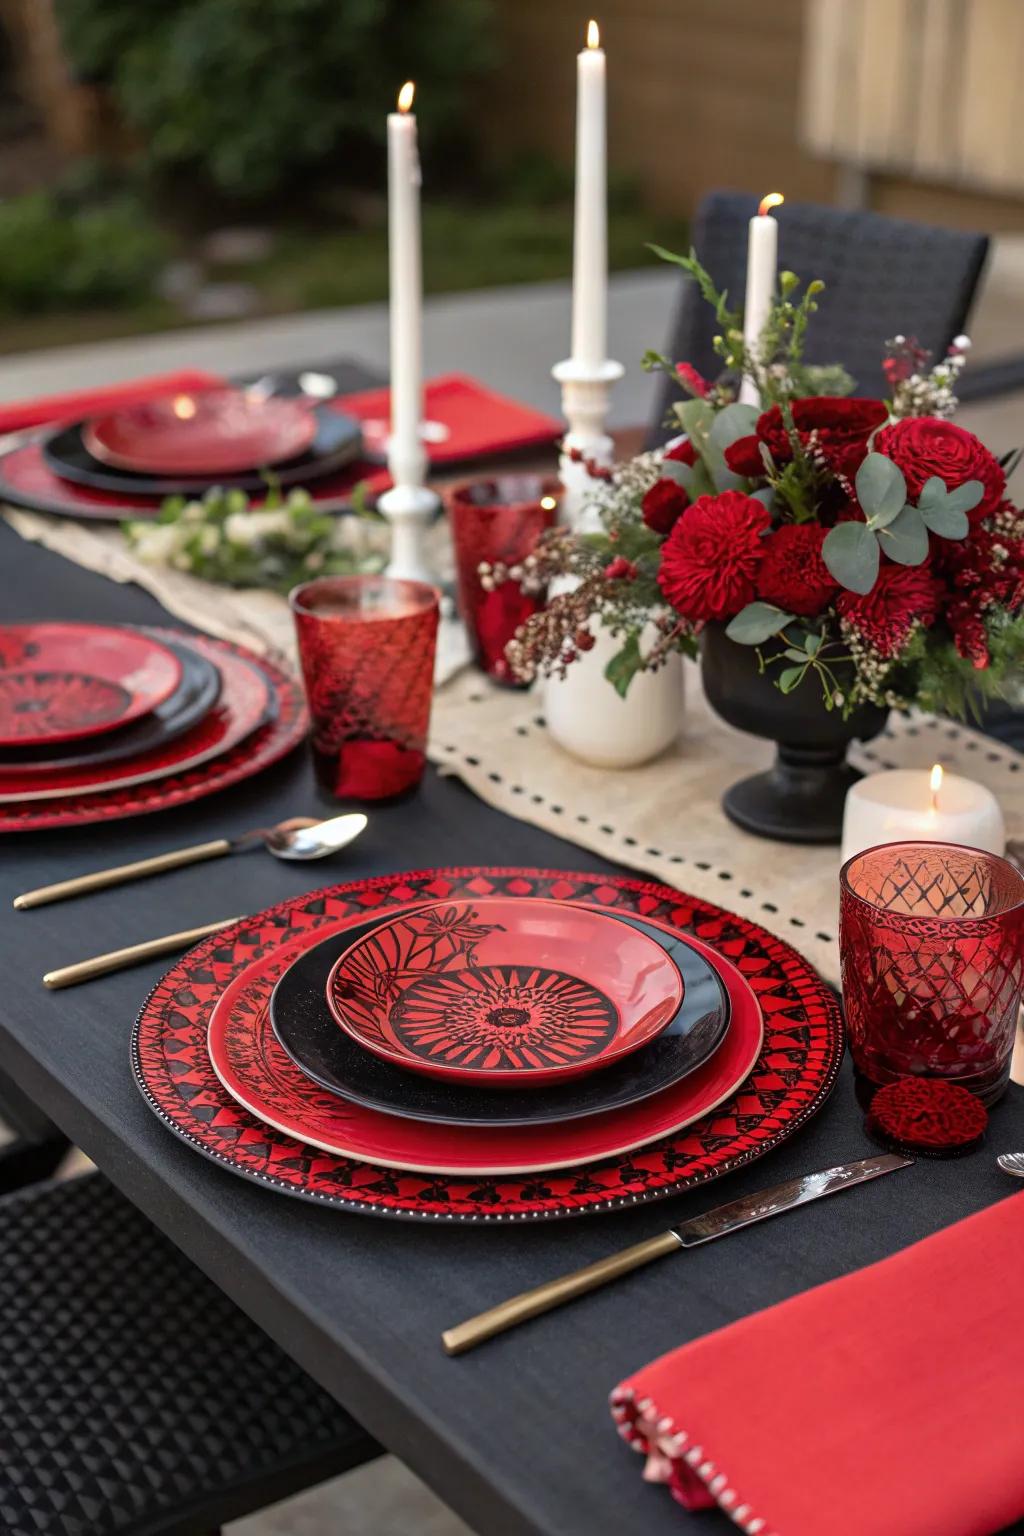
[(504, 993), (927, 1117), (793, 1076), (63, 682), (215, 432)]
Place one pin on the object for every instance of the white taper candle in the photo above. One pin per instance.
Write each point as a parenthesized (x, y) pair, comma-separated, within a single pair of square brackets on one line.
[(762, 261)]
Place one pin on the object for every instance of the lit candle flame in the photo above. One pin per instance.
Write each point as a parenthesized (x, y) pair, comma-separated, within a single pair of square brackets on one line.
[(593, 34), (936, 785), (184, 407), (773, 200), (405, 96)]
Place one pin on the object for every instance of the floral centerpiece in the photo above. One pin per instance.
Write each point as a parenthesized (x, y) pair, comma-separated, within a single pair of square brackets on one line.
[(831, 557)]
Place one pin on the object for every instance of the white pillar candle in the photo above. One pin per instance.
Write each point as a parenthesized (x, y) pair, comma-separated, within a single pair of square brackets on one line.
[(762, 261), (911, 804), (407, 460), (590, 229)]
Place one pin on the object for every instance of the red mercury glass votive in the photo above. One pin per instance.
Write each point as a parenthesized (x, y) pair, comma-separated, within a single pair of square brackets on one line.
[(367, 646), (498, 520), (931, 939)]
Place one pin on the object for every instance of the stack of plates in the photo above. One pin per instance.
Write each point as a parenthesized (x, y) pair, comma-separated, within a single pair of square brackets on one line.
[(128, 461), (100, 721), (518, 1054)]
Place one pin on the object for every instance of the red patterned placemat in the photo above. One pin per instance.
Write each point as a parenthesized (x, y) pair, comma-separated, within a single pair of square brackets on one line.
[(792, 1078), (266, 745)]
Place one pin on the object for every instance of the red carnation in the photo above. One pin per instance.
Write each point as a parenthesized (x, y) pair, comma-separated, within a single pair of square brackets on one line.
[(709, 561), (620, 569), (792, 574), (924, 446), (901, 596), (841, 427), (693, 381), (663, 505), (682, 450)]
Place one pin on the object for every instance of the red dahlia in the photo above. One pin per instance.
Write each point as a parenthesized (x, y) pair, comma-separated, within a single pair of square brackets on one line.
[(924, 446), (884, 617), (792, 574), (841, 426), (709, 561)]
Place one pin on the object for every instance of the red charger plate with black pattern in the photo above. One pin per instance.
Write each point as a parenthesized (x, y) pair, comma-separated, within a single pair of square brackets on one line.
[(66, 681), (212, 756), (211, 432), (503, 992), (793, 1075)]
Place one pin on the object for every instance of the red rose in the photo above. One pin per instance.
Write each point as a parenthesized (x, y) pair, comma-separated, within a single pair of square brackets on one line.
[(663, 505), (710, 559), (695, 382), (682, 451), (792, 574), (901, 596), (924, 446), (620, 569), (841, 427)]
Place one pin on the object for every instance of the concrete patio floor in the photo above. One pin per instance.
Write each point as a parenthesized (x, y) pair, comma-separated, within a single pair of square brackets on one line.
[(508, 338)]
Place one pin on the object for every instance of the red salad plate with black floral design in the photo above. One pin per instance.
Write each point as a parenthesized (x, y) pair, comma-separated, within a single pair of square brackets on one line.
[(259, 716), (256, 1071), (62, 682), (210, 432), (503, 992), (793, 1074)]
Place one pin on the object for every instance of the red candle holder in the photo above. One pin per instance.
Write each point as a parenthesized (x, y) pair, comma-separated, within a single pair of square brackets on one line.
[(366, 644), (931, 939), (498, 521)]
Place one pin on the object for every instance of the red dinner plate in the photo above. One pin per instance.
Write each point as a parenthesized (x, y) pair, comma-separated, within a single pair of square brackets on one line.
[(792, 1077), (63, 682), (255, 1070), (503, 993), (246, 702), (213, 432)]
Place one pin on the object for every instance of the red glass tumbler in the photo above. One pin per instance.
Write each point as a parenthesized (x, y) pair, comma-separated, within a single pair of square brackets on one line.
[(498, 520), (367, 646), (931, 939)]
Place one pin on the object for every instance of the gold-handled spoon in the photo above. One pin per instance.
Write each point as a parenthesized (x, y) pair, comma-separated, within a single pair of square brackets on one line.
[(299, 838)]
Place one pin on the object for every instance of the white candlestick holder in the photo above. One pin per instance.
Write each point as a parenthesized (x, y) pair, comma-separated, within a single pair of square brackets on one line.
[(410, 510), (586, 389)]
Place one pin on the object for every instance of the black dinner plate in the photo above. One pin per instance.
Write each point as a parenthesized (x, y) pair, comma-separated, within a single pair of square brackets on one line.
[(306, 1030), (194, 697), (338, 441)]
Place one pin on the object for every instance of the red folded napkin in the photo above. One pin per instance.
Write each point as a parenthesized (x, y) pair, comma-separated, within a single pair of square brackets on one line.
[(477, 421), (887, 1403), (106, 397)]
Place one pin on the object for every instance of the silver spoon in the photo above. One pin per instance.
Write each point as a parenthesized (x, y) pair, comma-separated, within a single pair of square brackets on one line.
[(1012, 1162), (299, 838)]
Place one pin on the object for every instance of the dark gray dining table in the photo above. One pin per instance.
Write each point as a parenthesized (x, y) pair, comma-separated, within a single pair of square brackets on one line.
[(515, 1436)]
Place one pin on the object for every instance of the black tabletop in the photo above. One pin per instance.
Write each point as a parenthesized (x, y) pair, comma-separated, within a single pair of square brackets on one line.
[(516, 1436)]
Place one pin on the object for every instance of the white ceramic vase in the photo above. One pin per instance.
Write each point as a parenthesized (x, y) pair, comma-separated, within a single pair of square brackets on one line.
[(588, 719)]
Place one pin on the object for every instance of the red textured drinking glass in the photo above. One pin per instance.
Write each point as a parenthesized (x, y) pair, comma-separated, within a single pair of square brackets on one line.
[(498, 521), (367, 646), (931, 939)]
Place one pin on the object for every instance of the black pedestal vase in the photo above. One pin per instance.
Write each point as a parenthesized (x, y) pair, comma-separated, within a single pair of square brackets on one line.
[(800, 798)]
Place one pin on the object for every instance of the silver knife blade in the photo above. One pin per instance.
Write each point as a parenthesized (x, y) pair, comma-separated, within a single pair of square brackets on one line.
[(784, 1197)]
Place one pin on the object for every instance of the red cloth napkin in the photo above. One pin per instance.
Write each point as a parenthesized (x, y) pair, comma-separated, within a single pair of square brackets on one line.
[(109, 397), (478, 421), (887, 1403)]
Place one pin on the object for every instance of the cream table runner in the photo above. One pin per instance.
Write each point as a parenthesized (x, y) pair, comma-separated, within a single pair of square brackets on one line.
[(663, 819)]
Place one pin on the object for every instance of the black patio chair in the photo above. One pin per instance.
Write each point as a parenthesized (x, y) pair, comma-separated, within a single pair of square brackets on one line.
[(135, 1398), (883, 277)]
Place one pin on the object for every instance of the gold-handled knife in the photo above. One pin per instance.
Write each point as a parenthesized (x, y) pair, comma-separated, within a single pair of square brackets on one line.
[(702, 1229), (135, 954)]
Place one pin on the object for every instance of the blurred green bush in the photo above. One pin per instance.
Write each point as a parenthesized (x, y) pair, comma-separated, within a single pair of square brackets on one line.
[(57, 254), (248, 95)]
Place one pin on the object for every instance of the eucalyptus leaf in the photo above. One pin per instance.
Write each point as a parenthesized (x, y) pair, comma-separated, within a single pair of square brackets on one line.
[(766, 496), (881, 489), (732, 423), (814, 644), (851, 553), (756, 623), (963, 498), (906, 538), (790, 678), (933, 493), (946, 520), (675, 469), (792, 654), (625, 664)]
